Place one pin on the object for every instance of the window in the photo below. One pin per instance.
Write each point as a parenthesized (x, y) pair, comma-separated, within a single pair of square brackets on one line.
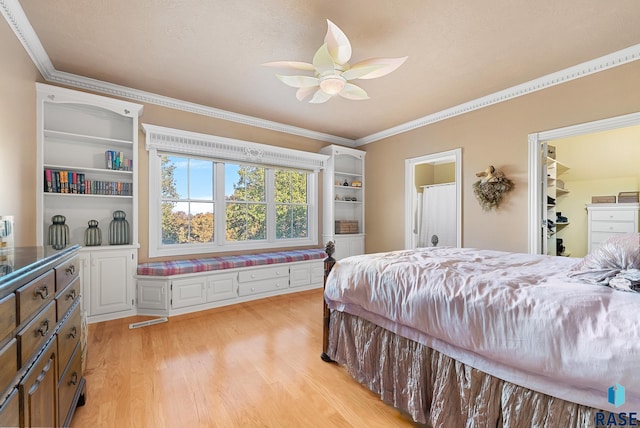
[(228, 197), (292, 211), (187, 202), (246, 202)]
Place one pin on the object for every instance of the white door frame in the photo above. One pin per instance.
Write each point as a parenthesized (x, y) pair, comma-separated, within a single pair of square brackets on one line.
[(454, 155), (536, 185)]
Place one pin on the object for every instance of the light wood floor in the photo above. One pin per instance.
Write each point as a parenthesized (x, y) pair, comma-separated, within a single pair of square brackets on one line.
[(254, 364)]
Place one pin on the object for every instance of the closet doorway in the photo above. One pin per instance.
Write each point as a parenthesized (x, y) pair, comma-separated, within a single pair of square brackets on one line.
[(538, 226), (433, 200)]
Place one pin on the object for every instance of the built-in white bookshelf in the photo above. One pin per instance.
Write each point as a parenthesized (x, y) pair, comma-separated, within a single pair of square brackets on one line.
[(87, 169), (343, 200)]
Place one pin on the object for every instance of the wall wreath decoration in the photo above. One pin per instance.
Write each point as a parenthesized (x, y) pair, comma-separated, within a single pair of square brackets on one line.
[(491, 187)]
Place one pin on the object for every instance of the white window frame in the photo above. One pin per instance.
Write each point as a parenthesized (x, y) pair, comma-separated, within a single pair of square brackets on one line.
[(160, 140)]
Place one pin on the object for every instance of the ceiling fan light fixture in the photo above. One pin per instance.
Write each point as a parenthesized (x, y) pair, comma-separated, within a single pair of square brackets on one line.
[(333, 84), (332, 72)]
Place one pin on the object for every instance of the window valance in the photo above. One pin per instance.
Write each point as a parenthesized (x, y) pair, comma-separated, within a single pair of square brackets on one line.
[(193, 143)]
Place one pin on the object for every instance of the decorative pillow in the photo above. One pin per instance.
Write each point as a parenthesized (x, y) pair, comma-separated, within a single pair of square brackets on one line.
[(616, 263)]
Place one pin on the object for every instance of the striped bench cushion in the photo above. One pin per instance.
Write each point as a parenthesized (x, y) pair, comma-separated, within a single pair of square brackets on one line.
[(179, 267)]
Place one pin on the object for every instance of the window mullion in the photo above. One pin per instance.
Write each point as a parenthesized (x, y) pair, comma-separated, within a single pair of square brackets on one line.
[(220, 206), (270, 199)]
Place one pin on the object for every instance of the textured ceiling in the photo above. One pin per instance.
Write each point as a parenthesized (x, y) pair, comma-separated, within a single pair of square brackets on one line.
[(209, 51)]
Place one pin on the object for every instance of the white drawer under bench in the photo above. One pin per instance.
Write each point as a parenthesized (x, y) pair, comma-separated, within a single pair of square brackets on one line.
[(168, 295)]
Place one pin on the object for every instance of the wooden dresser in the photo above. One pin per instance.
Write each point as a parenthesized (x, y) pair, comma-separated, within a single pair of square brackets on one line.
[(609, 220), (41, 379)]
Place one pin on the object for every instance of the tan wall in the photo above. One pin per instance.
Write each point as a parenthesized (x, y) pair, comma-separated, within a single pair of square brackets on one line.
[(423, 174), (444, 173), (602, 163), (495, 135), (17, 136), (426, 173)]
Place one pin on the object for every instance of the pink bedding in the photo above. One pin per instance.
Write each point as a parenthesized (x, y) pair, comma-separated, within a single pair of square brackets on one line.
[(518, 317)]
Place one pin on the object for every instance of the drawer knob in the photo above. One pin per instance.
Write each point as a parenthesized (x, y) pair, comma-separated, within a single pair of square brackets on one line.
[(43, 292), (252, 276), (73, 333), (71, 295), (74, 379), (70, 270), (253, 289), (44, 328)]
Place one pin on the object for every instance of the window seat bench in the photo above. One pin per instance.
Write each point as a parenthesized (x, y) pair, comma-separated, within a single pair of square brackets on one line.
[(180, 286)]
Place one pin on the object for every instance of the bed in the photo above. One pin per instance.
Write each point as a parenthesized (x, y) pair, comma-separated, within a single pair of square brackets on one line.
[(470, 337)]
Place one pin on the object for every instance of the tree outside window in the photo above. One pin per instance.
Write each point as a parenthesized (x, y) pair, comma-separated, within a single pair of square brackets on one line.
[(246, 204), (260, 203), (187, 202), (291, 204)]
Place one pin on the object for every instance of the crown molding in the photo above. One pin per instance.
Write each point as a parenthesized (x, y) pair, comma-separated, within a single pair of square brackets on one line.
[(17, 20), (606, 62)]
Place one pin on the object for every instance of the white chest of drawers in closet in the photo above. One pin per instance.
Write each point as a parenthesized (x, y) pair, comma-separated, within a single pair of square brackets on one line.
[(608, 220)]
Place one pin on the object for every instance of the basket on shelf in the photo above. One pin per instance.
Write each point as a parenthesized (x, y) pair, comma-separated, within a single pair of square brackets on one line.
[(346, 226)]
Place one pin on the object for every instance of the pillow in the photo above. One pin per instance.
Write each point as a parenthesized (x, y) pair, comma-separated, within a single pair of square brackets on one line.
[(616, 263)]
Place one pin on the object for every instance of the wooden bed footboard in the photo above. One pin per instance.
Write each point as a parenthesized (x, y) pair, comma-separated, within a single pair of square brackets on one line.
[(328, 265)]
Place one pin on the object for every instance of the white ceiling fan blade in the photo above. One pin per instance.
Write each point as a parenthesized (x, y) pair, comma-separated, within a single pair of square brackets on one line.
[(357, 71), (320, 97), (298, 81), (295, 65), (322, 60), (387, 66), (303, 93), (337, 43), (353, 92)]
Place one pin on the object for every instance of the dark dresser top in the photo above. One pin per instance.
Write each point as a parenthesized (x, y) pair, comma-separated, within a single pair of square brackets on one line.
[(21, 264)]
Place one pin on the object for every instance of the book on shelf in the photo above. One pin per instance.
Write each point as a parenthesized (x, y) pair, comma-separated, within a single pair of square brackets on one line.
[(76, 183), (117, 161), (48, 184), (64, 182)]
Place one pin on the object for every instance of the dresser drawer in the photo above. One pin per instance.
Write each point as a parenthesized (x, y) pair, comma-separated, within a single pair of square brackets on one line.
[(613, 215), (10, 410), (66, 272), (256, 287), (9, 364), (38, 390), (34, 295), (68, 338), (36, 333), (613, 227), (264, 273), (65, 299), (7, 315), (68, 385)]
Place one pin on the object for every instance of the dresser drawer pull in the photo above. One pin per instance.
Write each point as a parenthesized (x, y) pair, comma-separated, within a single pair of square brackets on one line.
[(44, 329), (43, 292), (70, 270), (73, 333), (74, 379), (71, 295)]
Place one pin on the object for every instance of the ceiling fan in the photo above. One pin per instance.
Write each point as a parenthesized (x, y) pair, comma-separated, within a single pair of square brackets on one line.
[(332, 71)]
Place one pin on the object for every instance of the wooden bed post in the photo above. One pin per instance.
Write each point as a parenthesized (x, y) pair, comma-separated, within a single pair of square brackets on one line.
[(328, 265)]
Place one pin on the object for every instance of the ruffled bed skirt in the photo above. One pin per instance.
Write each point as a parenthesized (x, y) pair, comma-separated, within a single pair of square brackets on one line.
[(437, 390)]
